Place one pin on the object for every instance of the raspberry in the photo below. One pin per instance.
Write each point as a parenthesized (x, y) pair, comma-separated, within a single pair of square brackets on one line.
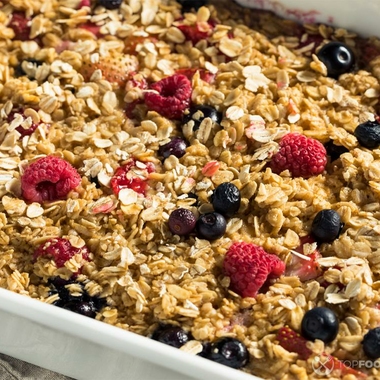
[(60, 250), (20, 129), (301, 155), (197, 32), (174, 95), (204, 74), (20, 25), (48, 179), (130, 176), (249, 267)]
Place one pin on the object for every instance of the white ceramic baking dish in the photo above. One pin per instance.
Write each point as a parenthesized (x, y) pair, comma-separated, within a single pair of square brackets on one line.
[(86, 349)]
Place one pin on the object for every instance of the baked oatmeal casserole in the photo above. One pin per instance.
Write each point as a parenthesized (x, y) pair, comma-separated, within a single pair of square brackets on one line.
[(200, 174)]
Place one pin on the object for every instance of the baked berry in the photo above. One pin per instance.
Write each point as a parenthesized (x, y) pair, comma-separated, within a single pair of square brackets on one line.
[(230, 352), (368, 134), (133, 176), (176, 147), (82, 307), (171, 335), (48, 179), (20, 25), (182, 221), (226, 199), (249, 267), (198, 113), (206, 350), (320, 323), (28, 130), (371, 343), (188, 5), (211, 226), (301, 155), (335, 151), (60, 250), (110, 4), (326, 226), (170, 96), (337, 57)]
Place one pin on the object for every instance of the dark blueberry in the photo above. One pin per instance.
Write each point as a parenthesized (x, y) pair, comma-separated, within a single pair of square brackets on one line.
[(19, 71), (110, 4), (230, 352), (226, 199), (182, 221), (193, 196), (188, 5), (335, 151), (337, 57), (326, 226), (198, 113), (368, 134), (206, 350), (320, 323), (371, 343), (81, 307), (95, 180), (171, 335), (176, 147), (211, 226)]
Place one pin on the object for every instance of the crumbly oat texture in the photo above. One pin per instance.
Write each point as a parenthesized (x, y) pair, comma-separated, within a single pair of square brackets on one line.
[(75, 89)]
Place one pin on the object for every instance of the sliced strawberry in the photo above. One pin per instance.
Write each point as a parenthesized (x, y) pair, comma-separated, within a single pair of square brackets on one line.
[(293, 342), (304, 269), (115, 70), (91, 27), (204, 74)]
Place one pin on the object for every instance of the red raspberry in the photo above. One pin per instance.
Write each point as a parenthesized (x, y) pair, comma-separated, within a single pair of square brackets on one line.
[(301, 155), (204, 74), (249, 267), (60, 250), (197, 32), (131, 177), (20, 25), (293, 342), (20, 129), (48, 179), (91, 27), (174, 95)]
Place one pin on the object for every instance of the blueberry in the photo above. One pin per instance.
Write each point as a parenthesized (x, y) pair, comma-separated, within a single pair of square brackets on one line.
[(211, 226), (226, 199), (326, 226), (320, 323), (19, 71), (188, 5), (335, 151), (198, 113), (182, 221), (206, 350), (95, 181), (368, 134), (171, 335), (176, 147), (81, 307), (230, 352), (371, 343), (337, 57), (110, 4)]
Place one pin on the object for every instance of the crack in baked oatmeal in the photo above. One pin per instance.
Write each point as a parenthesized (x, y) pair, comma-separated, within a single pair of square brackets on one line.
[(208, 178)]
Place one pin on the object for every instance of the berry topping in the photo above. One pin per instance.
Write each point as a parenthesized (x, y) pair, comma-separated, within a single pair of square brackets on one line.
[(230, 352), (320, 323), (84, 308), (335, 151), (27, 126), (211, 226), (205, 75), (20, 25), (371, 343), (198, 113), (368, 134), (293, 342), (114, 70), (195, 33), (326, 226), (48, 179), (60, 250), (110, 4), (337, 57), (171, 335), (133, 175), (177, 147), (171, 96), (249, 267), (301, 155), (182, 221), (226, 199), (300, 266), (188, 5)]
